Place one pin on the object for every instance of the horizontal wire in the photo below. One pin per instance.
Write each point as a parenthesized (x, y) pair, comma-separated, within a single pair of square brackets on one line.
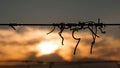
[(57, 24)]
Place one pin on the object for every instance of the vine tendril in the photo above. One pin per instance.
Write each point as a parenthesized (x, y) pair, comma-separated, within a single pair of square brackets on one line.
[(51, 30), (90, 25), (73, 35)]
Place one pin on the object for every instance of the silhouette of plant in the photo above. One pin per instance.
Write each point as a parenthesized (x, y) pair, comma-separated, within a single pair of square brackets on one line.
[(73, 32), (90, 25)]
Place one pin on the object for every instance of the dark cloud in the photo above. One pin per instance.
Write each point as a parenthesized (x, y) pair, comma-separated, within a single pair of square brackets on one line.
[(51, 58), (83, 63)]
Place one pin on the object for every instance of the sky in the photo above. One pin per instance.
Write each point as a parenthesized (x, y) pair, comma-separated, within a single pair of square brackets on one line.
[(28, 42), (44, 11)]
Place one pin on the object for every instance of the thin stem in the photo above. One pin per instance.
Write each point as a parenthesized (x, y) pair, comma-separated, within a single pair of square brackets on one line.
[(94, 38), (73, 32), (60, 34), (51, 30)]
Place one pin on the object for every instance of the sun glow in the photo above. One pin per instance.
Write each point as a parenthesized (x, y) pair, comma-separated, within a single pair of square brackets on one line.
[(47, 47)]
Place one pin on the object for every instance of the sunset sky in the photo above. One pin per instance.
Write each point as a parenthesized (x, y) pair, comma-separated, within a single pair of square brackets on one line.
[(33, 42)]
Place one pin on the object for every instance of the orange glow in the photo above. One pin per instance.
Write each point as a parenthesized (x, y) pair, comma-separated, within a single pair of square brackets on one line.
[(47, 47), (35, 42)]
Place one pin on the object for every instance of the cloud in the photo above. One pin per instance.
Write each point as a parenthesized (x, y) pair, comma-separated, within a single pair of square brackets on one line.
[(21, 45), (16, 45)]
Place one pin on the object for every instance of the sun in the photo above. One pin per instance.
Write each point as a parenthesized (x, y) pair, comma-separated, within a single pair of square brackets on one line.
[(47, 47)]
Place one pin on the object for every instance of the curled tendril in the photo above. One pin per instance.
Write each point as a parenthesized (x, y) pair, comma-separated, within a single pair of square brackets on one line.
[(101, 29), (93, 29), (60, 34), (101, 26), (61, 27), (51, 30), (94, 38), (73, 35)]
